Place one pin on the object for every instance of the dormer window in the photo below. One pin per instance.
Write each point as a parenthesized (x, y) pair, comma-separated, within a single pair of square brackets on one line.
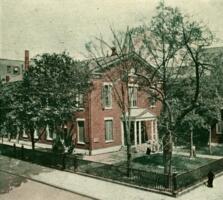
[(132, 72)]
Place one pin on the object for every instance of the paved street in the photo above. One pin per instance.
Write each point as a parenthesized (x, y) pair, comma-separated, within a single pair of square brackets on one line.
[(97, 188), (17, 188)]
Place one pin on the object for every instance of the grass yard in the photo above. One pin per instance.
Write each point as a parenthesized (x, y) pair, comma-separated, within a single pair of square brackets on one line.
[(180, 163)]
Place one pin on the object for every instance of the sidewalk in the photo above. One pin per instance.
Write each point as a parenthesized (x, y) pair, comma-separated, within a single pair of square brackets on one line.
[(199, 155), (97, 188), (26, 144)]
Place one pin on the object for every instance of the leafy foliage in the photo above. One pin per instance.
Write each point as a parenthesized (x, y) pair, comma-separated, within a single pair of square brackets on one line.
[(47, 93)]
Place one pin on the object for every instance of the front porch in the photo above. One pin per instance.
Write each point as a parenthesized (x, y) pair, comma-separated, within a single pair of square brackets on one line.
[(143, 127)]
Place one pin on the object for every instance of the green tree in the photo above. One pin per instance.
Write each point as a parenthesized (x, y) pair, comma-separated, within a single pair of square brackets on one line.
[(174, 44), (47, 95)]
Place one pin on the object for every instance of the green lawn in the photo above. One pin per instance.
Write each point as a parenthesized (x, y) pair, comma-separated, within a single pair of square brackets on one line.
[(180, 163)]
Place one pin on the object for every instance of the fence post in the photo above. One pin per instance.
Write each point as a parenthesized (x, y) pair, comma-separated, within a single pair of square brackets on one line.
[(14, 150), (75, 162), (174, 189), (63, 161), (22, 151)]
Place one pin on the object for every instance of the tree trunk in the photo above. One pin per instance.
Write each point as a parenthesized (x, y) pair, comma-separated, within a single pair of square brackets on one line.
[(17, 135), (167, 157), (127, 125), (191, 143), (32, 138), (209, 129)]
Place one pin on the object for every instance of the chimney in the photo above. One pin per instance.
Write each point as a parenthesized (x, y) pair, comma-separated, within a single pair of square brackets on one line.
[(26, 63), (113, 49)]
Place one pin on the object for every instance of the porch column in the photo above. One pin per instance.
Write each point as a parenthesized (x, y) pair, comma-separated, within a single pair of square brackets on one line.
[(156, 132), (140, 132), (122, 131), (135, 133), (152, 130)]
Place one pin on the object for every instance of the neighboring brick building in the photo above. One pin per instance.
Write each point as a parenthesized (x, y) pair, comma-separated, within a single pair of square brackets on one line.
[(12, 70), (216, 129)]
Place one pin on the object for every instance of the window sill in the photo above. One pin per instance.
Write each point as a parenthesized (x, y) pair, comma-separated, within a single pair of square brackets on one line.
[(133, 107), (107, 108), (109, 141), (80, 109), (82, 143)]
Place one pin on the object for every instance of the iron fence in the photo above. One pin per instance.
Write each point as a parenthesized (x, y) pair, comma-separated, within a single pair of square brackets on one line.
[(146, 179)]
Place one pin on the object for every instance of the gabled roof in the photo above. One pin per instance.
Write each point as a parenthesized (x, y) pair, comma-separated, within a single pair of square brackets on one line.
[(140, 113), (96, 65)]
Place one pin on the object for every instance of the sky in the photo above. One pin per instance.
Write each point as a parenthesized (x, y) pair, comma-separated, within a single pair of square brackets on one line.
[(67, 25)]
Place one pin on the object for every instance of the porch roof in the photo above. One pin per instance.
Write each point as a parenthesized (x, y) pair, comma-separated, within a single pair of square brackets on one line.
[(140, 114)]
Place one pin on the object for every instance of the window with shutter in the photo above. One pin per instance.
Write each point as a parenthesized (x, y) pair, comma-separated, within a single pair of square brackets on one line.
[(106, 96), (132, 93), (108, 130), (80, 101), (81, 131)]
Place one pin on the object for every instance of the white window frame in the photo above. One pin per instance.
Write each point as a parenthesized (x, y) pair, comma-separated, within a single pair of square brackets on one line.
[(36, 136), (110, 85), (24, 134), (79, 105), (134, 96), (109, 119), (78, 141), (48, 137), (219, 127)]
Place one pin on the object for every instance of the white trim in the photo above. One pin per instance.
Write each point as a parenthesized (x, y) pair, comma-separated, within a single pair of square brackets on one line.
[(80, 120), (36, 136), (133, 85), (108, 118), (140, 132), (48, 133), (109, 141), (107, 83), (106, 150), (122, 133), (24, 134), (80, 142), (135, 134), (152, 134), (82, 151)]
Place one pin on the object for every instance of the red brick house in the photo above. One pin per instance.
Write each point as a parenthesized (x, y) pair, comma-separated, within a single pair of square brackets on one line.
[(99, 124)]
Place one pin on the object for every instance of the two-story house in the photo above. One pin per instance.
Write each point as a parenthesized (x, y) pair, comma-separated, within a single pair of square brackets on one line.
[(99, 124)]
